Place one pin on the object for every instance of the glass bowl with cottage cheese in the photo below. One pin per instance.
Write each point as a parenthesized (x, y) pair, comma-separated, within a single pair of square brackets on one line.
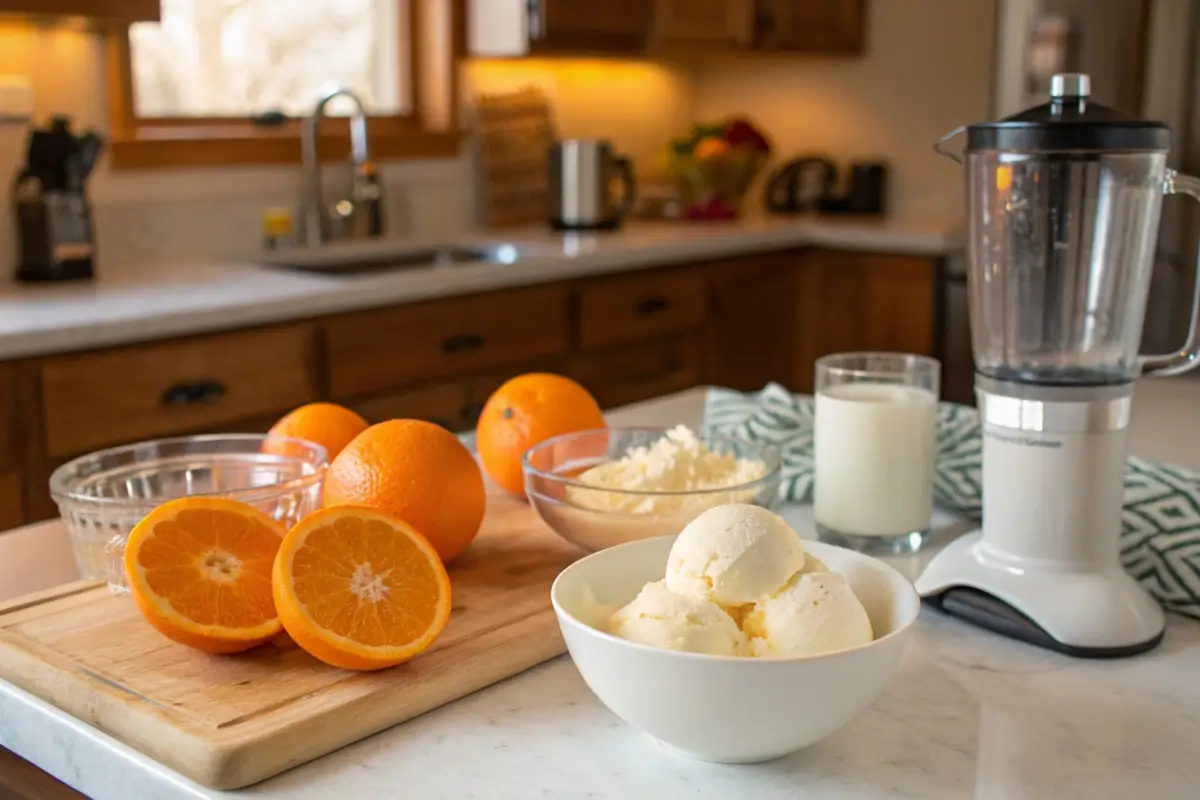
[(604, 487)]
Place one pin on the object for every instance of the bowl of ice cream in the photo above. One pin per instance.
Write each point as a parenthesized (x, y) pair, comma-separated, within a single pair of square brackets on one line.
[(599, 488), (736, 641)]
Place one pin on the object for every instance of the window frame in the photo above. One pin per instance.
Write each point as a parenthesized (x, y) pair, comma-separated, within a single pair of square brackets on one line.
[(436, 43)]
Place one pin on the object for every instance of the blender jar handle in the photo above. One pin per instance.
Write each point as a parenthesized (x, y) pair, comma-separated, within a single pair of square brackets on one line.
[(1186, 357)]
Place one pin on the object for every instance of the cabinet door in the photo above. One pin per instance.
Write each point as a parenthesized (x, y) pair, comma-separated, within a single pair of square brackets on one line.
[(748, 338), (857, 301), (641, 371), (620, 26), (721, 23), (818, 26), (12, 501)]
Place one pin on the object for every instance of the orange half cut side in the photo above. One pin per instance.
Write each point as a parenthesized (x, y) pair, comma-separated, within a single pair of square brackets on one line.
[(359, 589), (199, 571)]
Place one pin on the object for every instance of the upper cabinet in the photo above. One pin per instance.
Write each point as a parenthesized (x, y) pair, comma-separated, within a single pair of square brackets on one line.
[(509, 28), (704, 23), (122, 10), (814, 26), (567, 27)]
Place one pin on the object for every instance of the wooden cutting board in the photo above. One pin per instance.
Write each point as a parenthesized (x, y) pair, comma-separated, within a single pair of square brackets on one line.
[(231, 721)]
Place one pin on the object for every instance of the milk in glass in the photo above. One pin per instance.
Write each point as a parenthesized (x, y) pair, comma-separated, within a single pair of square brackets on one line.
[(874, 453)]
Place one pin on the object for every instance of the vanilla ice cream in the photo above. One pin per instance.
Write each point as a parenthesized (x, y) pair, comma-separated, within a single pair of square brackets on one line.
[(814, 613), (733, 555), (661, 618)]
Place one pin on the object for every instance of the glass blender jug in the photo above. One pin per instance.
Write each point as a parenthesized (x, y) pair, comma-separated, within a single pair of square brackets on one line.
[(1063, 204)]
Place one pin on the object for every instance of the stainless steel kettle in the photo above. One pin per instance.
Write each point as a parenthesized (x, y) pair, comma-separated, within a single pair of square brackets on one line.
[(582, 173)]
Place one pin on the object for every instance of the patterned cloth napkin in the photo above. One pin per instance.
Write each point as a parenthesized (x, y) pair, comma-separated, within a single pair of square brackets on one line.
[(1160, 536)]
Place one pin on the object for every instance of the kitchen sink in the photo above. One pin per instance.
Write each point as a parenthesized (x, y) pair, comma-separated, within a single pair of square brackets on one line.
[(353, 258)]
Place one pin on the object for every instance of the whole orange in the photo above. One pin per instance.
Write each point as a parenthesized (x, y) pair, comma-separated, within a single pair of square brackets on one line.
[(417, 472), (525, 411), (328, 424)]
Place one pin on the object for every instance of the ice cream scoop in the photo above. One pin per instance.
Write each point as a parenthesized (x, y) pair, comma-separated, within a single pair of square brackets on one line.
[(661, 618), (815, 613), (733, 555)]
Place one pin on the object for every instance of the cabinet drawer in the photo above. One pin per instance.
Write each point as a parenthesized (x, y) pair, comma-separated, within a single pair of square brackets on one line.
[(119, 396), (378, 350), (11, 501), (639, 307), (8, 416), (443, 403), (640, 372)]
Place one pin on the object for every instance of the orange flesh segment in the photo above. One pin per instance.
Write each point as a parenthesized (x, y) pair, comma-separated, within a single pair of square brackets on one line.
[(358, 578), (212, 567)]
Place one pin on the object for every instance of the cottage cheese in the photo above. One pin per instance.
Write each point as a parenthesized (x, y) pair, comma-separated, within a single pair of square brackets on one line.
[(677, 463)]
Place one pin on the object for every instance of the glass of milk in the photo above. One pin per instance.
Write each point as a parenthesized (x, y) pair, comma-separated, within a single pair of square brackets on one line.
[(874, 441)]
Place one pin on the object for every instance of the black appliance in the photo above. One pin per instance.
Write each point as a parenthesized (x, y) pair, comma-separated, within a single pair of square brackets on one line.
[(55, 236), (865, 193), (802, 184)]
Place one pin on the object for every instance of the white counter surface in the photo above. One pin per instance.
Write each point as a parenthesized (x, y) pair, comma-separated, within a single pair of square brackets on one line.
[(124, 307), (969, 715)]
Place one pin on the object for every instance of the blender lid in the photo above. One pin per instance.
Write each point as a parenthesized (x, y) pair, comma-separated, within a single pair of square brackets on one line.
[(1070, 121)]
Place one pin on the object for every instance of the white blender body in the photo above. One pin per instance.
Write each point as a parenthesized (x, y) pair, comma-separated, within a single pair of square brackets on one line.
[(1063, 208)]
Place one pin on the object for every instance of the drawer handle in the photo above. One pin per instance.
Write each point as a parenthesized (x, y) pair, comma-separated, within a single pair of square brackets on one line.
[(463, 343), (651, 306), (189, 394), (470, 413)]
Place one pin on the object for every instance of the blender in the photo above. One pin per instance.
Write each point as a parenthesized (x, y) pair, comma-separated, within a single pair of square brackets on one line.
[(1063, 205)]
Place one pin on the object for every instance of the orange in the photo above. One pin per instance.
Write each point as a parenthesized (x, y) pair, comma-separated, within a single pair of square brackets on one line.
[(359, 589), (328, 424), (199, 571), (525, 411), (415, 471)]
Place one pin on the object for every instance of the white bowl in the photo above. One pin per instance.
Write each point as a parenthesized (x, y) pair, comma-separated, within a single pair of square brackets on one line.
[(723, 708)]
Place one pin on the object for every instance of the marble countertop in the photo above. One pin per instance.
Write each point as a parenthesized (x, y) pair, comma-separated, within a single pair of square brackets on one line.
[(969, 715), (124, 307)]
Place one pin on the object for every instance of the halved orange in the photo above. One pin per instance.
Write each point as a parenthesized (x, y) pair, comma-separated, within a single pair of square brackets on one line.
[(359, 589), (199, 571)]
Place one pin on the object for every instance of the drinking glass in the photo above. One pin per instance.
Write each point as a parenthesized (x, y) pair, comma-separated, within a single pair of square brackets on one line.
[(874, 441)]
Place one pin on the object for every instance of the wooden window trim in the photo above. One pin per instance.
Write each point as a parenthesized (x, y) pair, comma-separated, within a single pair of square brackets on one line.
[(437, 44)]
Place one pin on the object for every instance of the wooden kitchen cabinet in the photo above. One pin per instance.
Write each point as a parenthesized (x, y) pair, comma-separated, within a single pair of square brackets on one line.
[(120, 10), (816, 26), (641, 306), (121, 395), (377, 350), (703, 23), (12, 501), (594, 25), (641, 371), (749, 332), (9, 430), (859, 301)]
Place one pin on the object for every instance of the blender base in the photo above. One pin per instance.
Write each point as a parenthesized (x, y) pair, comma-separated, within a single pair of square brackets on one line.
[(1101, 614)]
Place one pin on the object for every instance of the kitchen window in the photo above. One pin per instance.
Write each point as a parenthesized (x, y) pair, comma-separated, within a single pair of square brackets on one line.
[(218, 82)]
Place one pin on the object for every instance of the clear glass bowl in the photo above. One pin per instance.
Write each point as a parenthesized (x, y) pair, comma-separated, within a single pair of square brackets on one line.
[(595, 518), (103, 495)]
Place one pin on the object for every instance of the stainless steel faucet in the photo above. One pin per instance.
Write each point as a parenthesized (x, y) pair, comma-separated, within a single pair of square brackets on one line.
[(361, 214)]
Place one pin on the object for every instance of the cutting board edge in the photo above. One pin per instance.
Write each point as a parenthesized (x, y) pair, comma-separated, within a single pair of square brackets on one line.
[(238, 761), (256, 759)]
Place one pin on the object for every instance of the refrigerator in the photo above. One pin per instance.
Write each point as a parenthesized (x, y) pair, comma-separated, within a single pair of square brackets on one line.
[(1142, 59)]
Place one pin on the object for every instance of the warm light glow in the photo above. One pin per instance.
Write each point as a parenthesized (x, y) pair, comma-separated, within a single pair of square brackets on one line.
[(1003, 177)]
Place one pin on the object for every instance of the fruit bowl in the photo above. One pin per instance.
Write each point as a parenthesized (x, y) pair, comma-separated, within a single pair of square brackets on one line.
[(595, 518), (101, 496), (726, 708)]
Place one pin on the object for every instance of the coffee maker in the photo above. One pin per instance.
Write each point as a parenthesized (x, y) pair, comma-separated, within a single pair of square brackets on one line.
[(1063, 205), (55, 237)]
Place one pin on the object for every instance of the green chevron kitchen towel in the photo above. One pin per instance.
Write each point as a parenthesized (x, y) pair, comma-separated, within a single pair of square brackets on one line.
[(1160, 538)]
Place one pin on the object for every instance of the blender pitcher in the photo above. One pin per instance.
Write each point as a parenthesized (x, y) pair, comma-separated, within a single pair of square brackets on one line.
[(1063, 204)]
